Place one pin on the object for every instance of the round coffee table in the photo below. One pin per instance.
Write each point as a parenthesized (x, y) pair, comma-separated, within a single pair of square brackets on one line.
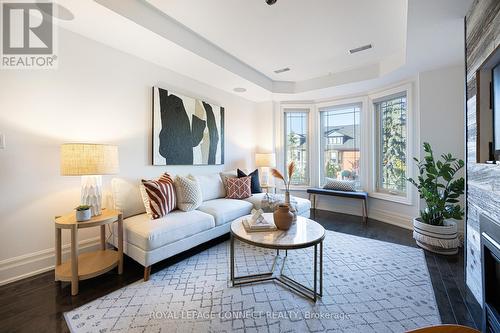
[(304, 233)]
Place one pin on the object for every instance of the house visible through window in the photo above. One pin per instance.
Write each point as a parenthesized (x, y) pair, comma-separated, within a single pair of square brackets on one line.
[(340, 142), (391, 115), (297, 144)]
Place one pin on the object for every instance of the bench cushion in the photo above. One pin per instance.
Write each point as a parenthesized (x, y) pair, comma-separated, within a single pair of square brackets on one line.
[(149, 234), (345, 194)]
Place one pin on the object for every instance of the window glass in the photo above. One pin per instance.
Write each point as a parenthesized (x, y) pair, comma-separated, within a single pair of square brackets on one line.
[(340, 143), (297, 144), (391, 115)]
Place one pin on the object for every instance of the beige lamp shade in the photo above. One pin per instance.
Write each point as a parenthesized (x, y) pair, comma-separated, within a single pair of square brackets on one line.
[(265, 160), (80, 159)]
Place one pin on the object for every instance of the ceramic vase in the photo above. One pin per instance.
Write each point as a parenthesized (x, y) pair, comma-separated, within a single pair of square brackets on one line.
[(287, 197), (283, 218), (292, 209)]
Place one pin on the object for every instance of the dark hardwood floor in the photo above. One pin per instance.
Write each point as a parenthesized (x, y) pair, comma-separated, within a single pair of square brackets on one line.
[(37, 304)]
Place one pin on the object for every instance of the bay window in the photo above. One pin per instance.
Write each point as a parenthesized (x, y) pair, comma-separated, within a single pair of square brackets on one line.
[(364, 139)]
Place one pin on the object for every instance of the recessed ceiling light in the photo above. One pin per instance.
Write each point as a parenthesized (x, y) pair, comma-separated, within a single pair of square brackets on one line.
[(361, 48), (239, 90), (282, 70)]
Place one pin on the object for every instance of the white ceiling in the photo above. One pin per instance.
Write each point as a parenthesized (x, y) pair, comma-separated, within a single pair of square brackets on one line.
[(238, 43), (310, 37)]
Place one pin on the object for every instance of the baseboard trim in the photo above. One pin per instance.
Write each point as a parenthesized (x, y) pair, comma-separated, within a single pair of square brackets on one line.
[(30, 264), (400, 220)]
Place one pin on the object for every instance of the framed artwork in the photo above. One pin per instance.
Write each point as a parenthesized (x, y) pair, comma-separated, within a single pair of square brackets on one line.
[(186, 130)]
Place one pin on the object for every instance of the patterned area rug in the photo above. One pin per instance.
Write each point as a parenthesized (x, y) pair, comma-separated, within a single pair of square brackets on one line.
[(369, 286)]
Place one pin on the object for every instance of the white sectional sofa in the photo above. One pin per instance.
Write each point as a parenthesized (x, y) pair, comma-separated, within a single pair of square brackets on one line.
[(150, 241)]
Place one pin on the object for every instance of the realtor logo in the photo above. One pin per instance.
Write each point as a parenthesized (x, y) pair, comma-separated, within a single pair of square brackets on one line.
[(27, 35)]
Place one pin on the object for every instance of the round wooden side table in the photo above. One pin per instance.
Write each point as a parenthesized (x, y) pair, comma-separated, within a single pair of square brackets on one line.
[(90, 264)]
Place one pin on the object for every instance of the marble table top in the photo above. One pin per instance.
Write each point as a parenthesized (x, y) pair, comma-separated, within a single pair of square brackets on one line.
[(303, 233)]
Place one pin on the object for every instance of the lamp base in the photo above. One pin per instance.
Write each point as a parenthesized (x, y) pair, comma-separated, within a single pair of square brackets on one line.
[(265, 176), (91, 193)]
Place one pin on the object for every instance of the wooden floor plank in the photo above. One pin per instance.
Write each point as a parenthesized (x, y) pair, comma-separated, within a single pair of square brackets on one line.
[(38, 303)]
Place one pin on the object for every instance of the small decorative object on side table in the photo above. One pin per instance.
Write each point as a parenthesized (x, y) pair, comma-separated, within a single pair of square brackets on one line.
[(83, 213), (89, 264)]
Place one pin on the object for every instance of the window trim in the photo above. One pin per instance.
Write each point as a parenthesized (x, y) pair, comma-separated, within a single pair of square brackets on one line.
[(374, 192)]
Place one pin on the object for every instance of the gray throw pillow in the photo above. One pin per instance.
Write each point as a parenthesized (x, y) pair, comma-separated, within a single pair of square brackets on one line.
[(340, 185)]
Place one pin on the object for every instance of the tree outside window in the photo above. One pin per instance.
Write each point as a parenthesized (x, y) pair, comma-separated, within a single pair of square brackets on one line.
[(392, 142)]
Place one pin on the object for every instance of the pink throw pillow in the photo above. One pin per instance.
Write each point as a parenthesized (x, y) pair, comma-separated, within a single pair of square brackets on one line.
[(238, 188)]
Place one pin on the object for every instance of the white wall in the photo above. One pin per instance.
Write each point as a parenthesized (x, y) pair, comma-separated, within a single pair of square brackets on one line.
[(97, 94), (265, 127), (442, 112)]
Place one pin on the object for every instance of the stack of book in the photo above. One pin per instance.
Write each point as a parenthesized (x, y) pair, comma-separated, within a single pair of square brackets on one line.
[(256, 222)]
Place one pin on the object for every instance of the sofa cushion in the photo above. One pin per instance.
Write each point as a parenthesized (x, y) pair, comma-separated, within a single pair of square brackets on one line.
[(226, 210), (149, 234), (211, 186), (303, 205), (127, 197)]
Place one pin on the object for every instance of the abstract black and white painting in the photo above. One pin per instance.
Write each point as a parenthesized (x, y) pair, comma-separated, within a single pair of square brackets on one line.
[(186, 130)]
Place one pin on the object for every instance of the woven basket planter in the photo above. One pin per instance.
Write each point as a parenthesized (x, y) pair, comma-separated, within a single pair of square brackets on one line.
[(438, 239)]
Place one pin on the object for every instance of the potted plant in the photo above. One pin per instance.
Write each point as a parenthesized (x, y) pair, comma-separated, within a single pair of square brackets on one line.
[(435, 230), (83, 213)]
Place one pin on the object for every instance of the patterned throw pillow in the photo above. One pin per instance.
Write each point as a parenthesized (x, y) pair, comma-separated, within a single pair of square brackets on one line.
[(158, 196), (340, 185), (188, 190), (238, 188)]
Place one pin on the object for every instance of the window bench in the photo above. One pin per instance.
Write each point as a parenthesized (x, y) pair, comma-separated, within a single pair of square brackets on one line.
[(345, 194)]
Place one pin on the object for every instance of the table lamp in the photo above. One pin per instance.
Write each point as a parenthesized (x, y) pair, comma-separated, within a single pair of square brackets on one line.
[(265, 161), (89, 161)]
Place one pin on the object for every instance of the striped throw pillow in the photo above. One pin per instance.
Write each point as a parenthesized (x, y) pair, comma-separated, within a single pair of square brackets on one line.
[(238, 188), (160, 196)]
